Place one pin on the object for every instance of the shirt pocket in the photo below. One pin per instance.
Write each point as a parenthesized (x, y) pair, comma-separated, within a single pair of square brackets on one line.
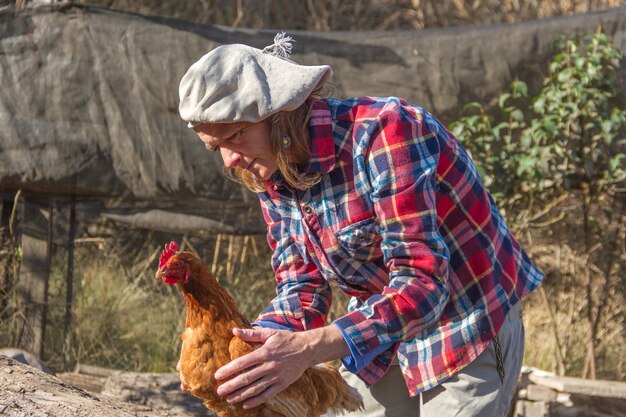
[(360, 240)]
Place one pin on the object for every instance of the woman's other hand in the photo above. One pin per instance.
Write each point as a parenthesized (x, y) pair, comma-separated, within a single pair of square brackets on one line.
[(281, 359)]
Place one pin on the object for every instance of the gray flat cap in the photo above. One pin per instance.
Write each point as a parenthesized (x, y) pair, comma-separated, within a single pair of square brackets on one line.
[(236, 83)]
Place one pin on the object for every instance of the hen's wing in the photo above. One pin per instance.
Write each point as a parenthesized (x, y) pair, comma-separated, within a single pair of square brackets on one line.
[(200, 357), (288, 403), (238, 348)]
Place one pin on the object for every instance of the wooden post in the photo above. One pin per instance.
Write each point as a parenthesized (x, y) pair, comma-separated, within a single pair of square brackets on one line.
[(69, 282), (7, 209), (33, 281), (7, 257), (49, 243)]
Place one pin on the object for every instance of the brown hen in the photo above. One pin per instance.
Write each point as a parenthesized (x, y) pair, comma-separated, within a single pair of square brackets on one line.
[(208, 344)]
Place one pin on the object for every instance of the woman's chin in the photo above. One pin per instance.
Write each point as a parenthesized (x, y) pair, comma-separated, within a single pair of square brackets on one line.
[(264, 174)]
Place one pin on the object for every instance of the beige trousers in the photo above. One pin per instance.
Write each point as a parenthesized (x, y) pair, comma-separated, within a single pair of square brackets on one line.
[(475, 391)]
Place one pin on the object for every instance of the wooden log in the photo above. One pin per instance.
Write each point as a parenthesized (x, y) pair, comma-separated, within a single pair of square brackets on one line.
[(596, 388), (588, 406), (87, 382), (28, 392), (158, 391), (540, 393), (531, 409), (99, 371)]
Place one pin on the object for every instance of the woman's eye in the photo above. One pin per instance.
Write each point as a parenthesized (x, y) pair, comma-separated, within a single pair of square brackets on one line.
[(236, 137), (211, 148)]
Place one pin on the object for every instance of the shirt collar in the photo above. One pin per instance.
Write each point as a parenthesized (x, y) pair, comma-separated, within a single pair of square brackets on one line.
[(322, 143), (275, 181)]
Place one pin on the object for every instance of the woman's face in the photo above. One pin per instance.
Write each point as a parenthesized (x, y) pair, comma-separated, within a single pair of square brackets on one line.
[(241, 144)]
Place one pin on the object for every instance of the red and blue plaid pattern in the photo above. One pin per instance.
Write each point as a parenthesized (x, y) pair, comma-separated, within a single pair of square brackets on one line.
[(402, 222)]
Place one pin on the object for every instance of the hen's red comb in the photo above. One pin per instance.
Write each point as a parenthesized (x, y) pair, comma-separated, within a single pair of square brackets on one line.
[(167, 253)]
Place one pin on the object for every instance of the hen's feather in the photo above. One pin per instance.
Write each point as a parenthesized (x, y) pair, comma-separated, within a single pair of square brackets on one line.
[(208, 344)]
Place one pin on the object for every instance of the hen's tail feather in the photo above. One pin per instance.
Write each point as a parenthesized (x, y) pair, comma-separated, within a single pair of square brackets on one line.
[(351, 402), (284, 407), (333, 390)]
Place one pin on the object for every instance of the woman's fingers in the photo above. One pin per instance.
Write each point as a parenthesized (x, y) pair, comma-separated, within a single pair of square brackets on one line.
[(263, 397), (251, 392), (238, 366), (242, 382)]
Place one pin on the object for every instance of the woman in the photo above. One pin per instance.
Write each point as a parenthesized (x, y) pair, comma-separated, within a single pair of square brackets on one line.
[(377, 196)]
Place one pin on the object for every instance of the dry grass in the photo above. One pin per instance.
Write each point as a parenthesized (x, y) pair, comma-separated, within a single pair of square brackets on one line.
[(565, 295), (326, 15), (125, 319), (121, 320)]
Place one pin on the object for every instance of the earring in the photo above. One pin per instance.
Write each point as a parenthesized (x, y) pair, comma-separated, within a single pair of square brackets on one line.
[(286, 141)]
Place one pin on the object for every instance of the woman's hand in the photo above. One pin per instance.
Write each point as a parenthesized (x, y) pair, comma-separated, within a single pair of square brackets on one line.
[(281, 359)]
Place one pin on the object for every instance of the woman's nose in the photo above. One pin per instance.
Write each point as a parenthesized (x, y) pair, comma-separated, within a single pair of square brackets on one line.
[(230, 158)]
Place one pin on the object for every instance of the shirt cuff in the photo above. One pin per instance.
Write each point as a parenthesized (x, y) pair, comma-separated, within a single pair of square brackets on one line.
[(271, 325), (355, 362)]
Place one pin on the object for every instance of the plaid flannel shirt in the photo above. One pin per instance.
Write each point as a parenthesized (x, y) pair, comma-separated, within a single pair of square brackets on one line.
[(401, 222)]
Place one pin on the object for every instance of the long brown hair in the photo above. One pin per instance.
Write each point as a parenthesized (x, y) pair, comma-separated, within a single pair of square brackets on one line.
[(293, 159)]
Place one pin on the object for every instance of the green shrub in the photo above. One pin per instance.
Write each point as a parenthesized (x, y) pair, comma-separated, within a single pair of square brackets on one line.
[(554, 160), (565, 140)]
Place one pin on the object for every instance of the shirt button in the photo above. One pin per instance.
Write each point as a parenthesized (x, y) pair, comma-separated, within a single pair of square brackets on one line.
[(308, 209)]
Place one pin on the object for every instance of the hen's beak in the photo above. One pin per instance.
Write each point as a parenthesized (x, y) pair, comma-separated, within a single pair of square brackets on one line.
[(168, 279)]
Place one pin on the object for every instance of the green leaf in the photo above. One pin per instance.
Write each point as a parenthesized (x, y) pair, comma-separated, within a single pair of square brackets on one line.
[(539, 104), (517, 115), (519, 88), (614, 162), (495, 132), (607, 126), (526, 139), (457, 129), (472, 105), (503, 98), (526, 163)]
